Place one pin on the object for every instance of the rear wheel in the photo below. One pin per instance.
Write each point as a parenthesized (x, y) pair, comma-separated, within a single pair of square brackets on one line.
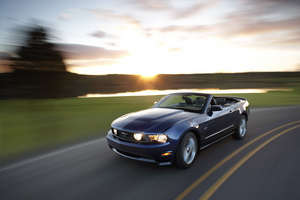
[(187, 151), (241, 130)]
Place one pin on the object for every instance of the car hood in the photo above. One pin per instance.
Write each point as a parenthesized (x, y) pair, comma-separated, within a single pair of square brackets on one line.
[(155, 120)]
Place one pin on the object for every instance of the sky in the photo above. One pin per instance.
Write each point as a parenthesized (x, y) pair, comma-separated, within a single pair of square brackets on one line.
[(150, 37)]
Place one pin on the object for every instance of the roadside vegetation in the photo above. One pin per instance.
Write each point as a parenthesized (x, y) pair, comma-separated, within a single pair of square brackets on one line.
[(27, 125)]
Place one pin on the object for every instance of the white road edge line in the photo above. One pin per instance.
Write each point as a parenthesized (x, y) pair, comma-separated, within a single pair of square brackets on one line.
[(50, 154)]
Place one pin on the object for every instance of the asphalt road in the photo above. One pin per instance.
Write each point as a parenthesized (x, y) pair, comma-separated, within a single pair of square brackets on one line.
[(264, 165)]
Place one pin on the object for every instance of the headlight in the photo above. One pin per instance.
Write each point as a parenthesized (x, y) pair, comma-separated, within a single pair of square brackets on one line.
[(159, 138), (138, 136), (115, 131), (247, 103)]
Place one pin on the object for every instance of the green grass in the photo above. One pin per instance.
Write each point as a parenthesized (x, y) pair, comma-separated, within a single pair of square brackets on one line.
[(31, 124)]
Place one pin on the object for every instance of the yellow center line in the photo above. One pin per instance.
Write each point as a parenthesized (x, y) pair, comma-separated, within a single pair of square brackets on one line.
[(221, 180), (198, 181)]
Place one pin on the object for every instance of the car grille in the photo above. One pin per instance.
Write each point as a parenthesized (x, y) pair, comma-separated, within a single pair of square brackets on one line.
[(128, 136), (128, 154), (133, 155)]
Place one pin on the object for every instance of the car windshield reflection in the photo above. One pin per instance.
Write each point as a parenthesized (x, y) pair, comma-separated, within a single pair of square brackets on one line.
[(187, 102)]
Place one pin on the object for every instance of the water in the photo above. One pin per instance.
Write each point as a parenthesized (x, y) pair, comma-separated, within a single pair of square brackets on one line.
[(165, 92)]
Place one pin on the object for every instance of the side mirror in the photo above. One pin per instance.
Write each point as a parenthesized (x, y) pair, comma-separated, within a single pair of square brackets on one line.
[(216, 108)]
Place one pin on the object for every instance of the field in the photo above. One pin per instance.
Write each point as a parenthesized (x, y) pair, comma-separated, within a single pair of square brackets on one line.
[(27, 125)]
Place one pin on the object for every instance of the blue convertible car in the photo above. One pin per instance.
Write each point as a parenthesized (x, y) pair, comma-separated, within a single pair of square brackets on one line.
[(177, 127)]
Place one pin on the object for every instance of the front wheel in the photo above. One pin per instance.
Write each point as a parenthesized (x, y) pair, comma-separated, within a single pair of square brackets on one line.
[(186, 151), (241, 130)]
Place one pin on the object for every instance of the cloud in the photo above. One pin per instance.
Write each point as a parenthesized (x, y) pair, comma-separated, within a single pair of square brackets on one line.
[(277, 3), (187, 29), (175, 49), (268, 9), (259, 21), (85, 52), (259, 27), (101, 34), (192, 10), (65, 16), (292, 38), (153, 5), (168, 6), (295, 40), (112, 44), (91, 63), (112, 14)]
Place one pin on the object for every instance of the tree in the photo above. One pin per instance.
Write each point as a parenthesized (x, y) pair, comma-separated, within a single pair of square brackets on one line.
[(38, 53), (39, 70)]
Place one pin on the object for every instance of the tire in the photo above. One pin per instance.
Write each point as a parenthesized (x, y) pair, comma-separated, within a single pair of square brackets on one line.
[(241, 130), (186, 151)]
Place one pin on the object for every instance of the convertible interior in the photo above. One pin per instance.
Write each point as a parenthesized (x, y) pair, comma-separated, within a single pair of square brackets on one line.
[(199, 101), (223, 101), (194, 103)]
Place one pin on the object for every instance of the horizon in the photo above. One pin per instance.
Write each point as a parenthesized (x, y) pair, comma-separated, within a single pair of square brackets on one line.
[(153, 77)]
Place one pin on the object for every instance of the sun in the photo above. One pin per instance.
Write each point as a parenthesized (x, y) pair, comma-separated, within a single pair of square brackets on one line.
[(148, 74)]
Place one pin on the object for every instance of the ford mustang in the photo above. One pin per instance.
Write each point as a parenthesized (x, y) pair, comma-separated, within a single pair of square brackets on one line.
[(177, 127)]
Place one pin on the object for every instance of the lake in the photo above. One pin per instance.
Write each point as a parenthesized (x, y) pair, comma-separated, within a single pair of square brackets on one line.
[(165, 92)]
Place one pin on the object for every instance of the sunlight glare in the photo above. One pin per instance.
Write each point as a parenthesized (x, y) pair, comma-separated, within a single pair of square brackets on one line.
[(148, 74)]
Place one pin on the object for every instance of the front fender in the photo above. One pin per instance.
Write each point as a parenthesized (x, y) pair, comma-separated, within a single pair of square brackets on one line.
[(177, 132)]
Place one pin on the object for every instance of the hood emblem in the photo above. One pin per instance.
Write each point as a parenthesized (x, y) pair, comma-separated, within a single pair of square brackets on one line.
[(124, 134)]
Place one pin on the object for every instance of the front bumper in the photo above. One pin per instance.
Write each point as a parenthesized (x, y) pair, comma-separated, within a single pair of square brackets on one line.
[(142, 152)]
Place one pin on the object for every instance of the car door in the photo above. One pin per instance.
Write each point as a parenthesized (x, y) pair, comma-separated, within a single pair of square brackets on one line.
[(220, 123)]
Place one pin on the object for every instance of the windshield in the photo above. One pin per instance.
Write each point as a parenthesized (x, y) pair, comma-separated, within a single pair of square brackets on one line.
[(193, 102)]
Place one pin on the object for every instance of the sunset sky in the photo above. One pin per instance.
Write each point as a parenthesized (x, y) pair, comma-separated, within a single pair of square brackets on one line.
[(162, 36)]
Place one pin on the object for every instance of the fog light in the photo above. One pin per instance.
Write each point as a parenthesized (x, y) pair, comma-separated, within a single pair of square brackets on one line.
[(166, 154), (138, 136)]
